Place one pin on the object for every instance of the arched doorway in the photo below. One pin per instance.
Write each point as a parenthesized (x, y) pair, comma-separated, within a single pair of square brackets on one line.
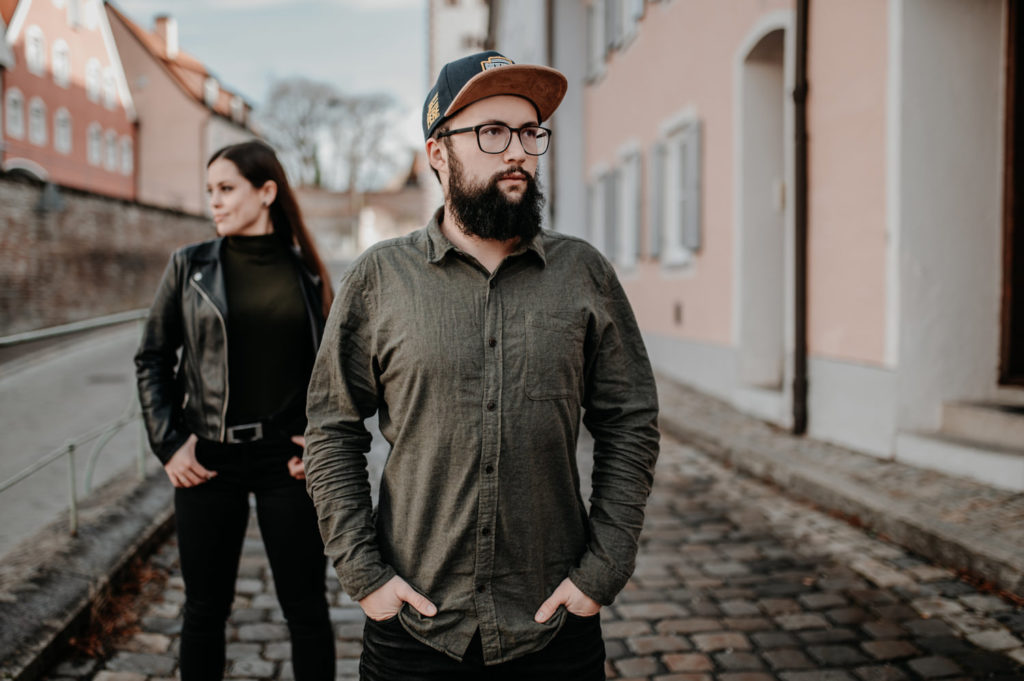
[(762, 200)]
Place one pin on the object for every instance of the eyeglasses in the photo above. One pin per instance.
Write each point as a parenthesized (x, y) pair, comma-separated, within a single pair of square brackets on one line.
[(494, 138)]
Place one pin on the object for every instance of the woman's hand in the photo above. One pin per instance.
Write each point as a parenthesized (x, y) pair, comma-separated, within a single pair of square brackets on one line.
[(183, 469), (295, 467)]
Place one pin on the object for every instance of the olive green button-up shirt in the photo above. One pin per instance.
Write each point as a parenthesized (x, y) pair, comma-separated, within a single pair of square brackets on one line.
[(480, 381)]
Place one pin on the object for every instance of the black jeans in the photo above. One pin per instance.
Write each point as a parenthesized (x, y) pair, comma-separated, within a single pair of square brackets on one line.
[(211, 521), (391, 654)]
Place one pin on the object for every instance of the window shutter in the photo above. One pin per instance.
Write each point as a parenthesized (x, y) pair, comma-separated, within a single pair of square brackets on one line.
[(612, 24), (637, 165), (636, 9), (611, 180), (656, 196), (691, 236)]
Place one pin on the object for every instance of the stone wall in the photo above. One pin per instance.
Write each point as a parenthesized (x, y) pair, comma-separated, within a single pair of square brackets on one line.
[(90, 257)]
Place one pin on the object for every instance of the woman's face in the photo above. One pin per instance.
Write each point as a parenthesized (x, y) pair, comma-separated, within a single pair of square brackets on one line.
[(238, 208)]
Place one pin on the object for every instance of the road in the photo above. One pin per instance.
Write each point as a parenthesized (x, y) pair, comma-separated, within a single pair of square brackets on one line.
[(53, 397)]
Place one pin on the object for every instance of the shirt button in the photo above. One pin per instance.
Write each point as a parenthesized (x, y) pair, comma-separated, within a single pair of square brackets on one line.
[(491, 406), (489, 469), (481, 588), (492, 283), (486, 532), (492, 342)]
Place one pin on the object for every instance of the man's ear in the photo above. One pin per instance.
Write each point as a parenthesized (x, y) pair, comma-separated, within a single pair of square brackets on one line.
[(437, 155)]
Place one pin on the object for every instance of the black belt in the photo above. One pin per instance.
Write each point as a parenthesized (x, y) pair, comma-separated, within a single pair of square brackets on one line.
[(245, 432), (259, 430)]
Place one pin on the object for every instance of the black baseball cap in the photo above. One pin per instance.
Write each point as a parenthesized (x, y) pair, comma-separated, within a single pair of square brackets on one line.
[(485, 74)]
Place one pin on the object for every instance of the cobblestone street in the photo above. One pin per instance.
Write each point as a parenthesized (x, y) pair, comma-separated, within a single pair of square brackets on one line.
[(735, 582)]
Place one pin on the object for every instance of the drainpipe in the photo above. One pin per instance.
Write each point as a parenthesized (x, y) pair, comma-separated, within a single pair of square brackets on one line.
[(800, 223), (549, 26)]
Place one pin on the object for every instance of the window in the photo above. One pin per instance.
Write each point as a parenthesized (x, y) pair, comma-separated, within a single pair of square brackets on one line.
[(632, 12), (61, 63), (109, 88), (595, 39), (94, 144), (35, 50), (92, 80), (110, 157), (628, 186), (75, 13), (211, 91), (37, 121), (15, 105), (676, 225), (62, 131), (127, 155), (238, 109)]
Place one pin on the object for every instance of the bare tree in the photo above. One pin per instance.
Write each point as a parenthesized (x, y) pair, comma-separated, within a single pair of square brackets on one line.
[(363, 138), (297, 113)]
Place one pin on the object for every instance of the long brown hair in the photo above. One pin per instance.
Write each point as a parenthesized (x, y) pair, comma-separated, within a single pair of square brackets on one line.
[(258, 163)]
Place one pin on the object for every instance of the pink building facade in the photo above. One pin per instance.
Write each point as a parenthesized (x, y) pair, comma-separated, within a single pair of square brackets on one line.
[(675, 154), (68, 117), (185, 113)]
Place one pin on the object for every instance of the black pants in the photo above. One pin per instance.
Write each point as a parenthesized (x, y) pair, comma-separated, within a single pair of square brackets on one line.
[(211, 521), (391, 654)]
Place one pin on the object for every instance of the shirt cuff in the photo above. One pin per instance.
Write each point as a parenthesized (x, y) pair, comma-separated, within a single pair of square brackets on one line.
[(363, 581), (597, 579)]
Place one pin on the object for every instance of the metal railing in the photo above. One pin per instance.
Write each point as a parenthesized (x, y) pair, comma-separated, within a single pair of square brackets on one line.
[(102, 434)]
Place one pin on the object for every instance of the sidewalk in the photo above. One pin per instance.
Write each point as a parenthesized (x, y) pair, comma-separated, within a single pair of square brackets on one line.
[(958, 523)]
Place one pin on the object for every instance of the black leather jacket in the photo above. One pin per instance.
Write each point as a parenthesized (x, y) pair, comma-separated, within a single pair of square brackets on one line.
[(189, 314)]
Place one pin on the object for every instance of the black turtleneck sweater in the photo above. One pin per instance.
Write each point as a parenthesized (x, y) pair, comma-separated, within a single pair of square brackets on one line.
[(270, 346)]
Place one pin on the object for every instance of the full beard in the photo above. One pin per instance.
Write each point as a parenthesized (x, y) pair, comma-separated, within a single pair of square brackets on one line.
[(487, 212)]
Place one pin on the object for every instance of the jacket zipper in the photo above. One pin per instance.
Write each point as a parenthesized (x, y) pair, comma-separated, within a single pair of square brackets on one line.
[(227, 382)]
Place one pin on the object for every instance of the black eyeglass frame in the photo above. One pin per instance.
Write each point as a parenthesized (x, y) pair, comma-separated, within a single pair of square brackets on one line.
[(477, 128)]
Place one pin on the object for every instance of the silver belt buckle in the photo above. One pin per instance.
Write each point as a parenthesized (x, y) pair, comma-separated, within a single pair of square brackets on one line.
[(245, 432)]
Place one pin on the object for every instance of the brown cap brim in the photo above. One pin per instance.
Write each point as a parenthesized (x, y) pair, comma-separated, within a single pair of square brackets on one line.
[(543, 86)]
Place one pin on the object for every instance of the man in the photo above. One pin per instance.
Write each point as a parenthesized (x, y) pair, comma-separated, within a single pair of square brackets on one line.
[(480, 341)]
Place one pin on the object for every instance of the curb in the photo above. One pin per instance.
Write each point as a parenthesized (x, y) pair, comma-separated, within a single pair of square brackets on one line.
[(50, 582), (829, 488)]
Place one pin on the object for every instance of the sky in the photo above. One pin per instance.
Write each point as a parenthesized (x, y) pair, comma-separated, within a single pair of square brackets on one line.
[(360, 46)]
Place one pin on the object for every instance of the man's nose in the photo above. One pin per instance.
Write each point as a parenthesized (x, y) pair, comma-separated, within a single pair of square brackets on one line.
[(515, 148)]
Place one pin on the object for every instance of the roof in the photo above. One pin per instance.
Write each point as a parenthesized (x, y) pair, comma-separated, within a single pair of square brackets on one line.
[(190, 73), (7, 8)]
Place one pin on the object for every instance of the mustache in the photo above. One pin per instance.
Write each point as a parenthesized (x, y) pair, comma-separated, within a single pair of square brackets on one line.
[(509, 173)]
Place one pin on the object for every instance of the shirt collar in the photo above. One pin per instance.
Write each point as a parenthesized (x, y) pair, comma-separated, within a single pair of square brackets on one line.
[(438, 245)]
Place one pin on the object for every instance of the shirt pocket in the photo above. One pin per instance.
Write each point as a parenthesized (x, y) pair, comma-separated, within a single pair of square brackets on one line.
[(554, 355)]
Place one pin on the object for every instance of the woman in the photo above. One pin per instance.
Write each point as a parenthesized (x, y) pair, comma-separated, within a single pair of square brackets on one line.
[(246, 312)]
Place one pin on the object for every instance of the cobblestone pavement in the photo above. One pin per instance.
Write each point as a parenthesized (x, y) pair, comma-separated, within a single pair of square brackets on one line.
[(734, 582)]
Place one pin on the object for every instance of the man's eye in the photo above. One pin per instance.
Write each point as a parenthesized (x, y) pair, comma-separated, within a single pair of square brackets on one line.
[(530, 133), (491, 131)]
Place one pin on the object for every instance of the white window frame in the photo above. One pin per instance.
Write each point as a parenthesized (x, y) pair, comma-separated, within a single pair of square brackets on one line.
[(127, 155), (110, 155), (35, 50), (37, 122), (93, 80), (109, 88), (14, 103), (61, 63), (94, 144), (681, 229), (628, 205), (62, 131), (595, 39), (211, 92)]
